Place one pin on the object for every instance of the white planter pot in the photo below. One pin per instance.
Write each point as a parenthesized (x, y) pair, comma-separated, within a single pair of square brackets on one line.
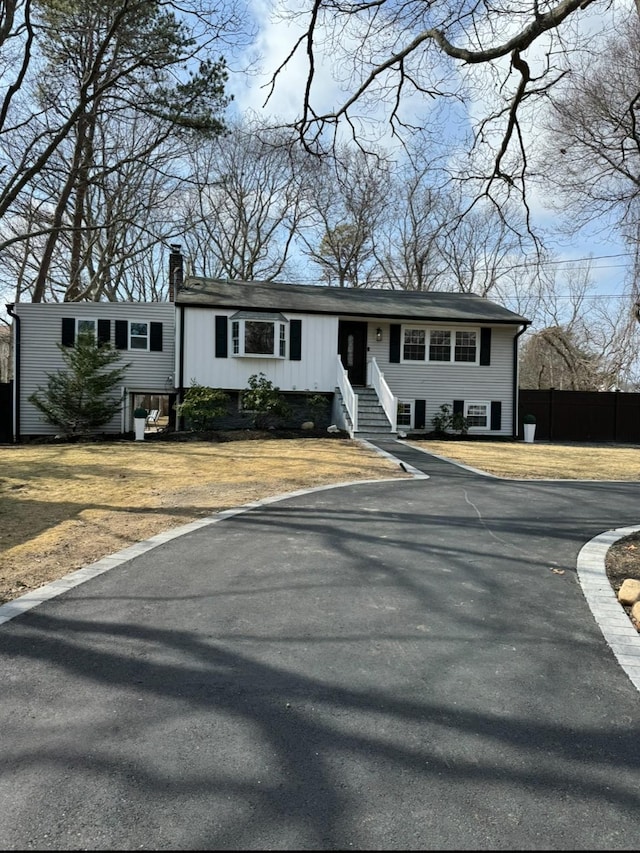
[(529, 432), (139, 424)]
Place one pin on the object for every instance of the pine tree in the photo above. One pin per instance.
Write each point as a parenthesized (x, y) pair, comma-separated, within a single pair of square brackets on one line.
[(82, 398)]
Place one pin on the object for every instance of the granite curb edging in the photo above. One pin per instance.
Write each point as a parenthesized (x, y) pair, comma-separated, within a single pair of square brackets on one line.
[(610, 615)]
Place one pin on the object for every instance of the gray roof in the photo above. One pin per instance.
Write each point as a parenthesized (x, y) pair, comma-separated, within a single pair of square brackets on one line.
[(342, 301)]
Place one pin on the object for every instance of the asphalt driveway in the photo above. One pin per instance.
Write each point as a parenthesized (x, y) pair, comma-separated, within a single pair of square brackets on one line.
[(387, 665)]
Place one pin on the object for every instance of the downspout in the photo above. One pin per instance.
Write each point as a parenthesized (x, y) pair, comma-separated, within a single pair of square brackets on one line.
[(16, 372), (176, 278), (180, 382), (514, 425)]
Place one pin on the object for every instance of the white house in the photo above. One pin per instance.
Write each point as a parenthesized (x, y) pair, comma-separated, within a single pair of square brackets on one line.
[(387, 360), (390, 358)]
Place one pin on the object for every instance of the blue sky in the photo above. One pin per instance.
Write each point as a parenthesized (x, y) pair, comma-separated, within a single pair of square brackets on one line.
[(275, 38)]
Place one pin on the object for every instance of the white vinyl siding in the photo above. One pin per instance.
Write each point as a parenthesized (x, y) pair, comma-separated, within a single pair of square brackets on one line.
[(445, 382), (315, 371), (40, 333)]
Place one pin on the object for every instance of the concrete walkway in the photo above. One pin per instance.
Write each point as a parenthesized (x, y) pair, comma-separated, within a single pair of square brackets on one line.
[(388, 665)]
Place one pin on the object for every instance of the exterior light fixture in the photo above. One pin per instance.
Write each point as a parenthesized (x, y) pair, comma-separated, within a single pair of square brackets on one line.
[(378, 334)]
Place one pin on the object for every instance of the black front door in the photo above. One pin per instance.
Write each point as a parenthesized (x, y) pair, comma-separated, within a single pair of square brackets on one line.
[(352, 347)]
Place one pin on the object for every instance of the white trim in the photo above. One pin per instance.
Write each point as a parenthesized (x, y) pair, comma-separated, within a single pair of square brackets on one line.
[(412, 412), (148, 335), (278, 327), (387, 399), (79, 320), (486, 404), (428, 329)]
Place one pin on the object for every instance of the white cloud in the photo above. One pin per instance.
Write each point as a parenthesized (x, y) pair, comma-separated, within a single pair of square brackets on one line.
[(277, 35), (275, 40)]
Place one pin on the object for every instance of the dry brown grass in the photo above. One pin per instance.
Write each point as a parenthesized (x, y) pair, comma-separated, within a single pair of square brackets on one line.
[(65, 506), (541, 460)]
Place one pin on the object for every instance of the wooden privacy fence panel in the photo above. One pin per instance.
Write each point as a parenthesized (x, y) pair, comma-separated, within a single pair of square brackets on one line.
[(582, 415)]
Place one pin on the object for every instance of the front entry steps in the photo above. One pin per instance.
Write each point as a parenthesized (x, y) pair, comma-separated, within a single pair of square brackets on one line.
[(372, 420)]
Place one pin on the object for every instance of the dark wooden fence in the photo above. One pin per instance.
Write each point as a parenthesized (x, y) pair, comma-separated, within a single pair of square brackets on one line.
[(6, 411), (583, 415)]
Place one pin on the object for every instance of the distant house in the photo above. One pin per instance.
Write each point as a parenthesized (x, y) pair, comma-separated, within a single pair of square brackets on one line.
[(387, 360)]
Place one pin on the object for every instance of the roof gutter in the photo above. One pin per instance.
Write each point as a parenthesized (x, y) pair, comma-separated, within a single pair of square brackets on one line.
[(514, 425), (16, 371)]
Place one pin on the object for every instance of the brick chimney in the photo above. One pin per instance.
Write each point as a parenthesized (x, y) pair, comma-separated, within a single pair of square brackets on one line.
[(176, 269)]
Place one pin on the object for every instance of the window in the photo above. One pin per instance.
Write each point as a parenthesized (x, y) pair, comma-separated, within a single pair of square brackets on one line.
[(138, 335), (439, 345), (259, 335), (404, 414), (414, 345), (466, 346), (458, 346), (351, 348), (477, 414), (86, 327)]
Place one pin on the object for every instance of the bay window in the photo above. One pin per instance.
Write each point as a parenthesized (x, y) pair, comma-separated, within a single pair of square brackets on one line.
[(258, 334)]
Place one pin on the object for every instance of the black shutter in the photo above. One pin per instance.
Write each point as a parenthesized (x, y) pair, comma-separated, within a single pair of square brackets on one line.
[(458, 407), (485, 346), (419, 416), (68, 338), (122, 334), (496, 414), (104, 332), (155, 337), (221, 336), (295, 340), (394, 343)]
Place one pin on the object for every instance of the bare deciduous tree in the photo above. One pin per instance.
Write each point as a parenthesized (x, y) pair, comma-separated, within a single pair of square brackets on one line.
[(387, 53), (243, 203), (407, 243), (90, 70), (584, 342), (479, 252), (592, 151), (346, 195)]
